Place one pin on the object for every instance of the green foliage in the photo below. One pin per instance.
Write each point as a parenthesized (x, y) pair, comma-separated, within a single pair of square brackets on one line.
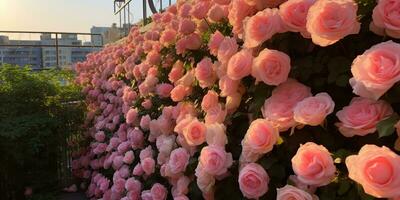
[(37, 114), (386, 126)]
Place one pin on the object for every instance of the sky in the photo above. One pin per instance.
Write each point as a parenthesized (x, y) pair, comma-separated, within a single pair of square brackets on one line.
[(60, 15)]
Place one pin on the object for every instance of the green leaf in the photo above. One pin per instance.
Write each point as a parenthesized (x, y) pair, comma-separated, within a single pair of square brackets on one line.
[(344, 186), (386, 126)]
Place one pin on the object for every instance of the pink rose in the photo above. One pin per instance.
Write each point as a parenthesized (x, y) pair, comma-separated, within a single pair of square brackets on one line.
[(215, 40), (253, 181), (260, 138), (228, 86), (239, 66), (293, 193), (214, 160), (129, 157), (238, 10), (329, 21), (176, 72), (184, 10), (200, 9), (279, 107), (148, 165), (216, 135), (100, 136), (386, 19), (179, 92), (178, 161), (168, 37), (227, 48), (131, 116), (215, 114), (313, 110), (164, 90), (209, 100), (195, 133), (362, 116), (377, 170), (218, 13), (271, 66), (194, 41), (261, 27), (294, 15), (376, 70), (204, 73), (158, 192), (313, 165), (186, 26)]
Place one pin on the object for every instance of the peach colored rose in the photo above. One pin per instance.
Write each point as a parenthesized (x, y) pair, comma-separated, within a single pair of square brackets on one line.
[(214, 160), (313, 165), (329, 21), (204, 73), (168, 37), (261, 27), (233, 102), (313, 110), (216, 135), (239, 66), (362, 116), (271, 66), (200, 9), (209, 100), (253, 181), (386, 18), (377, 170), (293, 193), (218, 13), (294, 15), (238, 10), (193, 41), (176, 72), (376, 70), (227, 48), (215, 40), (228, 86), (279, 107), (179, 92), (215, 114), (164, 90), (186, 26), (195, 133)]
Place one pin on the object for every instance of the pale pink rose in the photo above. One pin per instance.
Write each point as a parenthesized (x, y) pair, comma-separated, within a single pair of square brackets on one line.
[(261, 27), (253, 181), (133, 185), (227, 48), (313, 165), (178, 161), (215, 114), (239, 66), (329, 21), (279, 107), (188, 79), (179, 92), (228, 86), (195, 133), (137, 170), (148, 165), (146, 195), (313, 110), (131, 116), (209, 100), (158, 192), (376, 70), (216, 135), (176, 72), (293, 193), (215, 40), (181, 186), (168, 37), (260, 138), (214, 160), (386, 19), (238, 10), (186, 26), (117, 162), (147, 104), (362, 116), (271, 66), (233, 102), (377, 170), (205, 182), (218, 13), (204, 73), (294, 15), (164, 90), (100, 136), (200, 9), (129, 157)]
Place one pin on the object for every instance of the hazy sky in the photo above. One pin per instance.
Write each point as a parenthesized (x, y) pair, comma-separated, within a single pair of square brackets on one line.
[(61, 15)]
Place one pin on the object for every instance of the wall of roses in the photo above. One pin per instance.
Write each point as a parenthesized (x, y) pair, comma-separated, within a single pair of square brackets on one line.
[(247, 99)]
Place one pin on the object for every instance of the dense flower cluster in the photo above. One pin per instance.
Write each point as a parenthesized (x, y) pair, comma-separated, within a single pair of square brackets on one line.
[(205, 101)]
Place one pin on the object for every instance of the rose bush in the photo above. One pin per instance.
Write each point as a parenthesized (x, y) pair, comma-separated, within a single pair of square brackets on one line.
[(235, 99)]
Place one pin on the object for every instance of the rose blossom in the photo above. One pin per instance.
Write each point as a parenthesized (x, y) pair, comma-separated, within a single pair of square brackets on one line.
[(216, 114), (261, 27), (178, 161), (233, 102), (386, 19), (238, 10), (168, 37), (362, 116), (313, 165), (293, 193), (253, 181), (313, 110), (179, 92), (239, 66), (376, 70), (148, 165), (227, 48), (329, 21), (158, 192), (216, 135), (228, 86), (271, 66), (176, 72), (204, 73), (195, 133), (377, 170), (209, 100), (217, 13), (215, 40), (215, 160), (294, 15), (164, 90), (279, 107), (186, 26)]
